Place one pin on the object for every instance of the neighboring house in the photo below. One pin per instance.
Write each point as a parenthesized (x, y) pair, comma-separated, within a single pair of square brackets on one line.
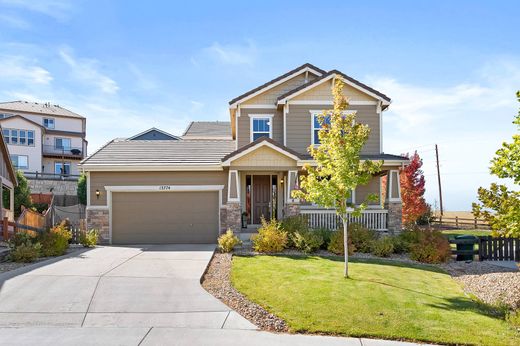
[(7, 182), (43, 138), (154, 134), (230, 174)]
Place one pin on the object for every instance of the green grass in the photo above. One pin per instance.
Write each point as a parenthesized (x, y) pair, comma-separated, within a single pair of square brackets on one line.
[(476, 232), (382, 299)]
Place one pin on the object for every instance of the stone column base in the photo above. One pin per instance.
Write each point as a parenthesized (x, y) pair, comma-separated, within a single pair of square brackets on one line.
[(231, 217), (99, 219), (395, 217), (292, 209)]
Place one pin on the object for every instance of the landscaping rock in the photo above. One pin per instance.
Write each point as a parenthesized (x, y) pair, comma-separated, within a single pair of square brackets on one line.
[(217, 281), (491, 284)]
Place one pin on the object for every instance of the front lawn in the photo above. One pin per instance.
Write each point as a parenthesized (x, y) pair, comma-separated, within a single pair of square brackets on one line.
[(382, 299)]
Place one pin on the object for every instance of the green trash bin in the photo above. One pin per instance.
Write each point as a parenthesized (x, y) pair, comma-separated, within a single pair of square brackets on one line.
[(466, 244)]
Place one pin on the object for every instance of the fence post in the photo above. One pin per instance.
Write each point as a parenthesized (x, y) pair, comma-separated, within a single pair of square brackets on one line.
[(457, 221), (476, 226), (5, 229)]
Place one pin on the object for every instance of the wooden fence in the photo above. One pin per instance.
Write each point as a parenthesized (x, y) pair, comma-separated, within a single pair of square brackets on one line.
[(461, 223), (490, 248), (31, 218)]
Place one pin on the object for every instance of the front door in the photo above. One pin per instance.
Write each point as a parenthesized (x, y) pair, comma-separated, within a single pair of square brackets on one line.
[(261, 197)]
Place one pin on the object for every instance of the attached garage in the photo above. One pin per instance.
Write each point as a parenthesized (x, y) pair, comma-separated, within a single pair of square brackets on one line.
[(161, 217)]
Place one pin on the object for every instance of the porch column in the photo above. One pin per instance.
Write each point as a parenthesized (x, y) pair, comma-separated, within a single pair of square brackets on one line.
[(233, 211), (393, 202), (292, 206)]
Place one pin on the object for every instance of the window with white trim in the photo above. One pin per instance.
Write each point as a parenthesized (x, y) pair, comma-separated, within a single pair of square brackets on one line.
[(261, 126), (62, 168), (316, 126), (19, 137), (20, 161), (48, 123), (62, 143)]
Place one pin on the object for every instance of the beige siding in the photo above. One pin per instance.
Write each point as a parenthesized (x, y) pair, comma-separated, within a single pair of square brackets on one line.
[(299, 126), (373, 187), (233, 193), (98, 181), (264, 156), (4, 171), (244, 125), (323, 92), (270, 96)]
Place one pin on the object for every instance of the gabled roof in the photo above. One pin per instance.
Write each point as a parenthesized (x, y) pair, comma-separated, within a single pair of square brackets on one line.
[(329, 75), (272, 83), (208, 130), (25, 119), (154, 132), (260, 142), (7, 158), (38, 108)]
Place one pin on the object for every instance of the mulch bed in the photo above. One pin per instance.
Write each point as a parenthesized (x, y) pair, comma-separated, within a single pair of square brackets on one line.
[(217, 281)]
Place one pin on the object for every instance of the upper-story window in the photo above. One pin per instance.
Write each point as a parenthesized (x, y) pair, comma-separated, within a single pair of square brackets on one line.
[(48, 123), (261, 126), (316, 126), (62, 143), (19, 137), (20, 161)]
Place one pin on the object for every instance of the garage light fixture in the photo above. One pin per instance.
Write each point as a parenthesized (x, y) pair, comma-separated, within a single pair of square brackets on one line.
[(97, 194)]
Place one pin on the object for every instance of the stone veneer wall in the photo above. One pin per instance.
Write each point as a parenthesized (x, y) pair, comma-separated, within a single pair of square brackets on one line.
[(231, 217), (292, 209), (99, 219), (395, 215), (59, 187)]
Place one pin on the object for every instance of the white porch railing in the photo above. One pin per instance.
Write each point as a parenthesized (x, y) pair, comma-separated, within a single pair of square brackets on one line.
[(375, 219)]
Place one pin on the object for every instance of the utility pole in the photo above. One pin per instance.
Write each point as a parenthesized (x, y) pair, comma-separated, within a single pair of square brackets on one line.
[(439, 178)]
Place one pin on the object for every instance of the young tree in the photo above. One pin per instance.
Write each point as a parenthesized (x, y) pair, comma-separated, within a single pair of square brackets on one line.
[(339, 168), (412, 190), (82, 189), (499, 206), (22, 194)]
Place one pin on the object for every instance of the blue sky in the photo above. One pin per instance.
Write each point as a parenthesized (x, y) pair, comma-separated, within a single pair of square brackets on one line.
[(450, 67)]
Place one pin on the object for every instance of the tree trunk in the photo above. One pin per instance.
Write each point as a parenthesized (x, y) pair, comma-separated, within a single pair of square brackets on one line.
[(345, 244)]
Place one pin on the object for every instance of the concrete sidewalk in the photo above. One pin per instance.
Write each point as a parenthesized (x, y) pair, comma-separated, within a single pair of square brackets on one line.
[(173, 336)]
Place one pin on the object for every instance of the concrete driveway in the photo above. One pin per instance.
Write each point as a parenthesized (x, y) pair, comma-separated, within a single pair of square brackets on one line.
[(142, 286)]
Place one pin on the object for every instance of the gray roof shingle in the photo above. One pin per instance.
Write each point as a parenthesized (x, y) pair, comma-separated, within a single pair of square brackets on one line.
[(39, 108), (208, 129), (161, 152)]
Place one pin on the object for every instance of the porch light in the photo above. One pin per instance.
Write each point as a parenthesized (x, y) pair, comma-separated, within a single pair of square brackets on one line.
[(97, 194), (281, 181)]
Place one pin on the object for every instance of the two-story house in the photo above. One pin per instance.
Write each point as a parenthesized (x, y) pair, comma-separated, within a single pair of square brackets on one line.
[(221, 175), (43, 138)]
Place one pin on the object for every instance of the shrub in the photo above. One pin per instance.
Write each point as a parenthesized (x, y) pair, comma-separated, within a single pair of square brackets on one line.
[(89, 238), (325, 234), (400, 245), (293, 224), (431, 247), (383, 247), (23, 237), (513, 317), (227, 241), (270, 237), (56, 241), (336, 245), (361, 237), (307, 241), (26, 253)]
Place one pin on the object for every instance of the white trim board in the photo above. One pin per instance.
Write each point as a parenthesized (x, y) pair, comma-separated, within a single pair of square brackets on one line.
[(272, 85), (328, 78)]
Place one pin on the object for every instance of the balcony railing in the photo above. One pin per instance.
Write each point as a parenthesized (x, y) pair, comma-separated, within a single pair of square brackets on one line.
[(50, 176), (64, 151), (375, 219)]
